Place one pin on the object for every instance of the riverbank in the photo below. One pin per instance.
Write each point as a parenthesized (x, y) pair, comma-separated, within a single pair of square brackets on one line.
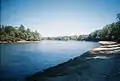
[(23, 41), (94, 65)]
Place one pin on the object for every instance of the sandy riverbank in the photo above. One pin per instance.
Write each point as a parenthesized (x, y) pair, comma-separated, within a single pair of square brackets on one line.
[(27, 41), (107, 42), (94, 65), (23, 41)]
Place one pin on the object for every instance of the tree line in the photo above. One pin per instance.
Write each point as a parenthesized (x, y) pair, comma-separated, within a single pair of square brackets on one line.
[(14, 34), (66, 38), (110, 32)]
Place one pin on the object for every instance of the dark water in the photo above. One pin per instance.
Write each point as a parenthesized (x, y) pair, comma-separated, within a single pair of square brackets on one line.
[(21, 60)]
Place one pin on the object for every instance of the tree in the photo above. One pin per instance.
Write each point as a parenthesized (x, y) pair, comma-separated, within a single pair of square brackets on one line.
[(22, 28), (118, 16), (13, 34)]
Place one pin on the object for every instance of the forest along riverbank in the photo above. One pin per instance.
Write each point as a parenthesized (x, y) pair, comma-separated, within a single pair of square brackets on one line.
[(23, 41), (98, 64)]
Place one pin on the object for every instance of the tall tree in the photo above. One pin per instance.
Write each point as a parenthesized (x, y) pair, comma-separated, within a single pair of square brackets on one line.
[(118, 16)]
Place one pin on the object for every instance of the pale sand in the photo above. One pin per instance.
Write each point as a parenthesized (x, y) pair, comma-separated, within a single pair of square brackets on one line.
[(106, 42), (107, 48), (26, 41)]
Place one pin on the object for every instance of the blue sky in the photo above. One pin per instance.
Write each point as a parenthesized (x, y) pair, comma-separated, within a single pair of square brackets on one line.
[(60, 17)]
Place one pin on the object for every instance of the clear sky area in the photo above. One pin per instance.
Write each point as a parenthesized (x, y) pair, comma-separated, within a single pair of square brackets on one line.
[(60, 17)]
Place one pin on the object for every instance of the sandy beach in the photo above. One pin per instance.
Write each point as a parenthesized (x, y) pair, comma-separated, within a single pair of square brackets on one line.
[(94, 65)]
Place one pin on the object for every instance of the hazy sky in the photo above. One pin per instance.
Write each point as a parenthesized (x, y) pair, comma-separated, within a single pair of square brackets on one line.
[(60, 17)]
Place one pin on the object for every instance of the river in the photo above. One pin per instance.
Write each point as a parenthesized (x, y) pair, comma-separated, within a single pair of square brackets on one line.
[(20, 60)]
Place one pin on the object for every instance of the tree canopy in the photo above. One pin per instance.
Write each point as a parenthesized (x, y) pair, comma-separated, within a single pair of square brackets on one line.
[(110, 32), (118, 16), (14, 34)]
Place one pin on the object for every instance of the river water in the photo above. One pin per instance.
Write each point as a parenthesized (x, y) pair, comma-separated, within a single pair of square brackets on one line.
[(21, 60)]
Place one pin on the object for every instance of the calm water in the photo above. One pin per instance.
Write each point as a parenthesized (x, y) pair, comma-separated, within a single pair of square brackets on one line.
[(20, 60)]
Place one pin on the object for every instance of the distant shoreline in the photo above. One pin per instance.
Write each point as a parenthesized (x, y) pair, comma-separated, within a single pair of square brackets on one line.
[(5, 42), (24, 41)]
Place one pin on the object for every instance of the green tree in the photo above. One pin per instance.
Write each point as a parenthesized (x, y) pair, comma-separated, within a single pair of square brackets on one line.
[(118, 16), (13, 34)]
